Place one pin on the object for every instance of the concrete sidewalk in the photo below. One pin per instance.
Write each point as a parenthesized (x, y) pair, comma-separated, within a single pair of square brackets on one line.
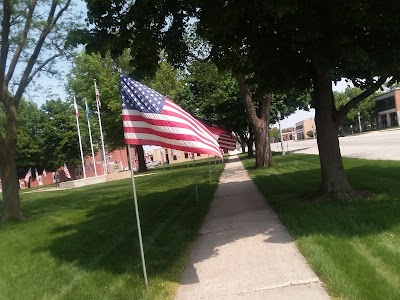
[(243, 251)]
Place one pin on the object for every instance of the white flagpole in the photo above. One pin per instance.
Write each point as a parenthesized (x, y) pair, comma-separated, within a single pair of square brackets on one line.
[(101, 129), (79, 136), (138, 220), (195, 177), (90, 137), (209, 167), (162, 159)]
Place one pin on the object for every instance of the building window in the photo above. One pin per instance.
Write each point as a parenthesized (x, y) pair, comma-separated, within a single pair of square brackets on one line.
[(385, 104), (186, 155)]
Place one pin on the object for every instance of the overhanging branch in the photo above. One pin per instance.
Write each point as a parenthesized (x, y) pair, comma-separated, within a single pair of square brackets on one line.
[(22, 41), (42, 65), (51, 22), (341, 114)]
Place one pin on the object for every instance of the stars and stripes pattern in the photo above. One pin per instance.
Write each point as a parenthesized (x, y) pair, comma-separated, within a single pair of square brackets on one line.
[(66, 171), (227, 141), (225, 138), (28, 175), (150, 118), (136, 162), (96, 90)]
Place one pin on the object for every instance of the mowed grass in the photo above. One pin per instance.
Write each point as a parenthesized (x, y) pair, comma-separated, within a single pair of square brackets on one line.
[(83, 243), (353, 246)]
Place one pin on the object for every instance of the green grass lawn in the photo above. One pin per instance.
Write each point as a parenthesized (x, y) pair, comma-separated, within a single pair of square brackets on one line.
[(83, 243), (354, 246)]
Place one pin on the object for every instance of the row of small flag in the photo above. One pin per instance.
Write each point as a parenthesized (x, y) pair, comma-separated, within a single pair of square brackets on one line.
[(29, 174)]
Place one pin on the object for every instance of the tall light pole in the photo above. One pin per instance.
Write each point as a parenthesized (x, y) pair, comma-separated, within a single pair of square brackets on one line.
[(280, 131), (359, 122)]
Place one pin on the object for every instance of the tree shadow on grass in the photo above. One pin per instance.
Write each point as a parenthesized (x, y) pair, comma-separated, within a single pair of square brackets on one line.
[(291, 196), (106, 237)]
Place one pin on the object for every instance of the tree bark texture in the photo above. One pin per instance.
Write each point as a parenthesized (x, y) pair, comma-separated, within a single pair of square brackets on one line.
[(334, 183), (141, 158), (259, 122), (8, 169)]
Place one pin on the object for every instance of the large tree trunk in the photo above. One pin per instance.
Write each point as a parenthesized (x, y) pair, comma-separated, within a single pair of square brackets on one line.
[(8, 170), (334, 183), (243, 146), (259, 122), (141, 158)]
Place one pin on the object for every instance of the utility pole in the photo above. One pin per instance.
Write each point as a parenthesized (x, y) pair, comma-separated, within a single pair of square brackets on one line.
[(280, 131), (359, 122)]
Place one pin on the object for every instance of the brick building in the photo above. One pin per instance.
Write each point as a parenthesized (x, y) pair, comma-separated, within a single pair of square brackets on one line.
[(305, 126), (289, 134), (388, 108), (117, 161)]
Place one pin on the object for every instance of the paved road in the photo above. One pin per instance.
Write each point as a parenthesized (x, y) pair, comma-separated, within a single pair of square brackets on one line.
[(372, 145), (243, 251)]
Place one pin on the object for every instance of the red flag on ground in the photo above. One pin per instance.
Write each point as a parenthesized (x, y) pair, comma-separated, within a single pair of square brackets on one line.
[(28, 175), (66, 171), (150, 118)]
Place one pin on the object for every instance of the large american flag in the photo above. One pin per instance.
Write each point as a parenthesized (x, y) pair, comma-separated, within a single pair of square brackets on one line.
[(150, 118)]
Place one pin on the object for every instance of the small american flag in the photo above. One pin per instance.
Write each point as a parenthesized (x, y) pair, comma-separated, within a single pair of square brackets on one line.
[(162, 157), (66, 171), (97, 96), (37, 174), (136, 162), (150, 118), (76, 108), (44, 173), (28, 175)]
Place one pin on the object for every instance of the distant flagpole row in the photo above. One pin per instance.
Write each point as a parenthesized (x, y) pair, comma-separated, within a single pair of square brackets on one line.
[(79, 136), (90, 137), (98, 104)]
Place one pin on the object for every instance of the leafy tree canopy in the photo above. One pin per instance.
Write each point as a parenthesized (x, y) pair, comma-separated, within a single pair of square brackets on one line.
[(366, 108), (60, 136)]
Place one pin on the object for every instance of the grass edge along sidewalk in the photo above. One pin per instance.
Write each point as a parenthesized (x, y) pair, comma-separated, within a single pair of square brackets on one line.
[(82, 243), (353, 246)]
